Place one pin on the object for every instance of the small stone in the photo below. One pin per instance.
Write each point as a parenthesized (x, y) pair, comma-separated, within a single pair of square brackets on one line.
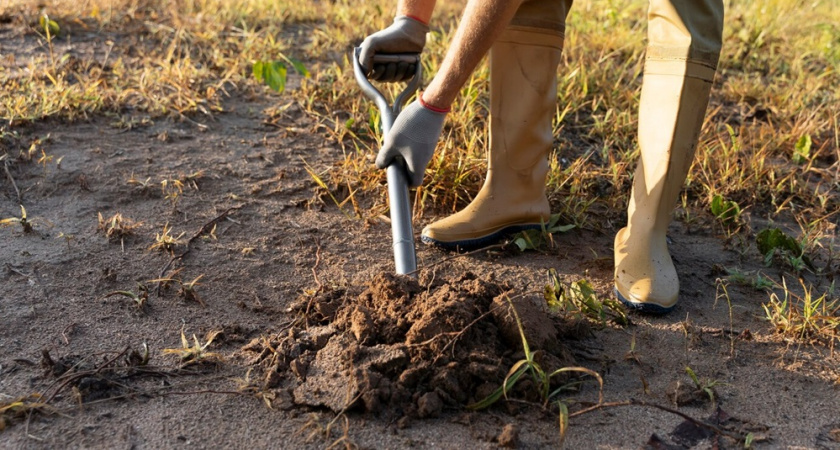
[(429, 405), (509, 437), (361, 324)]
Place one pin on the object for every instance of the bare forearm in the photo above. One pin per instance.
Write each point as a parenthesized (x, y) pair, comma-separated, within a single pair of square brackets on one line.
[(483, 22), (418, 9)]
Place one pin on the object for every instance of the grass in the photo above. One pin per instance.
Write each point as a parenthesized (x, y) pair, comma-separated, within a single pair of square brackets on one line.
[(807, 316), (542, 381), (769, 144), (196, 352)]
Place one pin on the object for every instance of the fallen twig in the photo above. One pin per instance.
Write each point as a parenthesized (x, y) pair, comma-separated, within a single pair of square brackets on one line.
[(317, 262), (87, 373), (12, 180), (632, 402), (459, 255)]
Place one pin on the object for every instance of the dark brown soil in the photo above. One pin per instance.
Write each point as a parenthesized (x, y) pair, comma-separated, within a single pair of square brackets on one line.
[(407, 351)]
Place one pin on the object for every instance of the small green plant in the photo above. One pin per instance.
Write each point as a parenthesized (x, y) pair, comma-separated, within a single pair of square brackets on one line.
[(580, 300), (802, 150), (534, 239), (197, 352), (541, 378), (755, 280), (25, 225), (274, 73), (773, 242), (188, 292), (706, 386), (50, 27), (142, 185), (726, 211), (139, 300)]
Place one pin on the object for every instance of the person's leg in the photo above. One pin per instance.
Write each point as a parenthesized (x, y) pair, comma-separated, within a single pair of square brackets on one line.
[(523, 96), (684, 41)]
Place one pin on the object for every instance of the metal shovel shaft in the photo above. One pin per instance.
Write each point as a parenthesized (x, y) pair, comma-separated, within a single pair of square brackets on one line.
[(402, 234)]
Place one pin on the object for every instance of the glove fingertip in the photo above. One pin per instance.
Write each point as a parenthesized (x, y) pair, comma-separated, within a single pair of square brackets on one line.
[(381, 161)]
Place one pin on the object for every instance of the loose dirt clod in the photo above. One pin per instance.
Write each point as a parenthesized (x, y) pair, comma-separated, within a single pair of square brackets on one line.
[(509, 437), (397, 347)]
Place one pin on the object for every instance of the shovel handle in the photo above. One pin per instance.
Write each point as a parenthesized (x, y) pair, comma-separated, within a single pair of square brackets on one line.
[(405, 258), (389, 112)]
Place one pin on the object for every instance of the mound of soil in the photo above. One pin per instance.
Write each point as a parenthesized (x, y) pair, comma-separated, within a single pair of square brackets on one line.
[(401, 348)]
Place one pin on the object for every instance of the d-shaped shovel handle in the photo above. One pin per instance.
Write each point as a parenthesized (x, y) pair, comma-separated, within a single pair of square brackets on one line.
[(405, 258)]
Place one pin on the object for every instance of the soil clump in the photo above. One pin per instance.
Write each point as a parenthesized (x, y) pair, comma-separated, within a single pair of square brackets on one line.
[(407, 350)]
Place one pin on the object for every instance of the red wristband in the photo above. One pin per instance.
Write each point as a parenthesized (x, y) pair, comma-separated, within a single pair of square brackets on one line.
[(417, 19), (430, 107)]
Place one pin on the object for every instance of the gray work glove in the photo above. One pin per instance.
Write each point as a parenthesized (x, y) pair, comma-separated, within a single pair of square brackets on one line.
[(412, 138), (405, 35)]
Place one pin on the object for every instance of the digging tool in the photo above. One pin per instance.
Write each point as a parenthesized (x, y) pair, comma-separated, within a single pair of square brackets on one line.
[(405, 259)]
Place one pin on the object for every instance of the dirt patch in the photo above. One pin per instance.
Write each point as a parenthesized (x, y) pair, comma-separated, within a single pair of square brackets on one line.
[(408, 350)]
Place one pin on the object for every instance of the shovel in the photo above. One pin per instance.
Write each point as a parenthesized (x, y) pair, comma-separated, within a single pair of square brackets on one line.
[(405, 259)]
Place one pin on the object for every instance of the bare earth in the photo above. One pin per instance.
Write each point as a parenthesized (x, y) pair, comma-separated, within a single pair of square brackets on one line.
[(310, 322)]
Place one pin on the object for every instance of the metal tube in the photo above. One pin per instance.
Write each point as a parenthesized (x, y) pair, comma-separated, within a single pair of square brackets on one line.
[(405, 259)]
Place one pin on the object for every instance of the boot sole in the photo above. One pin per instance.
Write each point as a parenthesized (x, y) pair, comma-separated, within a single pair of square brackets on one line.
[(480, 242), (644, 308)]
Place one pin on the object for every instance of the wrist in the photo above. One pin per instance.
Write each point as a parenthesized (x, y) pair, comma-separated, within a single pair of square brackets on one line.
[(433, 106), (415, 22), (417, 18)]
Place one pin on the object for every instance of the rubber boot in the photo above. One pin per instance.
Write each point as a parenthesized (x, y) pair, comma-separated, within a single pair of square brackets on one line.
[(675, 93), (523, 95)]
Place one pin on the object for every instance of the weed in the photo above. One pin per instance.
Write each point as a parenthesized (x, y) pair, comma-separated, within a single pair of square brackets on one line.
[(188, 292), (143, 185), (705, 386), (257, 388), (197, 352), (164, 241), (807, 317), (579, 300), (755, 280), (274, 73), (726, 211), (172, 190), (326, 432), (68, 238), (773, 242), (541, 378), (534, 239), (25, 224), (140, 299), (802, 150), (191, 179), (20, 408), (320, 182), (118, 227)]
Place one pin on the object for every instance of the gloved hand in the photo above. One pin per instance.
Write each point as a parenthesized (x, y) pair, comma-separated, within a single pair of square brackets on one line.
[(405, 35), (413, 137)]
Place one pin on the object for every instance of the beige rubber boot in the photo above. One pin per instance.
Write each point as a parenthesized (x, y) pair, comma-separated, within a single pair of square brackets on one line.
[(523, 95), (675, 93)]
